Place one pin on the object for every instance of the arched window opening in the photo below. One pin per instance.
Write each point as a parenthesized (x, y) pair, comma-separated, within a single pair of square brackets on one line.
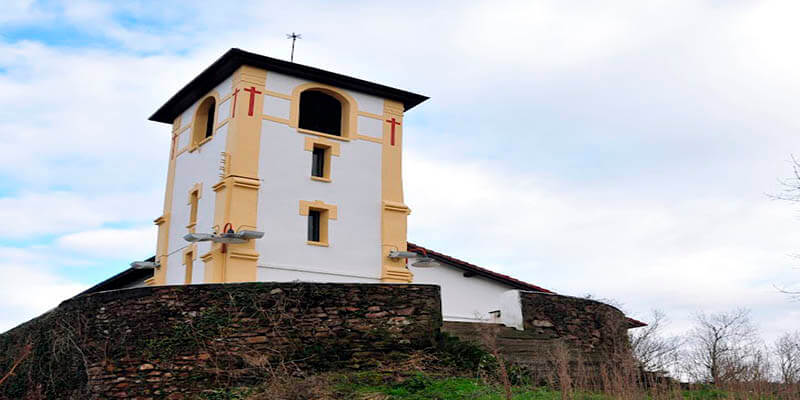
[(204, 120), (210, 119), (320, 112)]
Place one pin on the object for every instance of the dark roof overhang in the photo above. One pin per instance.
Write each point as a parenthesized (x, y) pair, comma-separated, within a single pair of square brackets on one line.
[(235, 58), (121, 279)]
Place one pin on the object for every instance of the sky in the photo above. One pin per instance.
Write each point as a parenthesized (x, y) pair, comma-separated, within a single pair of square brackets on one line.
[(621, 149)]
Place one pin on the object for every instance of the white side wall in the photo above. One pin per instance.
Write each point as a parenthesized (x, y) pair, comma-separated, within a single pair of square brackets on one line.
[(463, 299), (200, 166)]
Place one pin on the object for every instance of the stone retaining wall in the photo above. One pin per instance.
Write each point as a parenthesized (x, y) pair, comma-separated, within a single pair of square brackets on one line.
[(595, 330), (172, 341)]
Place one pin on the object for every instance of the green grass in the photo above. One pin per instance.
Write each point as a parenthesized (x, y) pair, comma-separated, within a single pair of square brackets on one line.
[(427, 387), (424, 387), (420, 386)]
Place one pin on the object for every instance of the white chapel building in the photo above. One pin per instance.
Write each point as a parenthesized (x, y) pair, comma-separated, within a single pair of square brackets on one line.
[(311, 159)]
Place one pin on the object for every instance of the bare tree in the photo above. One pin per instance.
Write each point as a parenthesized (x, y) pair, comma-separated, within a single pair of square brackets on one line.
[(791, 185), (787, 357), (722, 347), (791, 192), (654, 351)]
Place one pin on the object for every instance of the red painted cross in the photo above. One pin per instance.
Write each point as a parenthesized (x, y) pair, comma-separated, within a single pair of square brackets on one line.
[(253, 92), (235, 92), (394, 123)]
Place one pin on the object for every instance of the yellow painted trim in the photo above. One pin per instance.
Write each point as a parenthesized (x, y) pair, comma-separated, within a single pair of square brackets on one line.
[(325, 135), (330, 149), (163, 222), (184, 150), (192, 248), (236, 195), (310, 142), (327, 212), (150, 281), (349, 127), (370, 115), (181, 130), (319, 205), (194, 205), (190, 255), (275, 119), (221, 124), (277, 94), (394, 212), (252, 256), (395, 206), (227, 96), (369, 138), (198, 187), (204, 141)]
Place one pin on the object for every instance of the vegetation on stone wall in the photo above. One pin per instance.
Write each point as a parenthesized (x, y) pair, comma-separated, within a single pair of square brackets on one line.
[(161, 341), (49, 358)]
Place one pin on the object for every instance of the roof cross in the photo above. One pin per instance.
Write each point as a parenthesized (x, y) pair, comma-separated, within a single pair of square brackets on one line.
[(294, 37)]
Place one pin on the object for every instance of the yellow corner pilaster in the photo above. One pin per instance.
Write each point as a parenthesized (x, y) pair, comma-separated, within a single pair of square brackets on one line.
[(240, 183), (160, 274), (394, 212)]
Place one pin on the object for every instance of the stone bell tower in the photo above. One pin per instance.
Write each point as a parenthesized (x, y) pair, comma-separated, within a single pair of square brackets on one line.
[(309, 157)]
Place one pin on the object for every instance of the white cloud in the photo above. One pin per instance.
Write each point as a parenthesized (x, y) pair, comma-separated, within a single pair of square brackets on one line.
[(31, 215), (622, 149), (30, 286), (111, 243), (678, 255)]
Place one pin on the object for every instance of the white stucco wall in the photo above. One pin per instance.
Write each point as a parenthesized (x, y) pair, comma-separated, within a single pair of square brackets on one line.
[(370, 127), (225, 87), (368, 103), (276, 107), (224, 110), (511, 310), (463, 299), (281, 83), (353, 253), (188, 114)]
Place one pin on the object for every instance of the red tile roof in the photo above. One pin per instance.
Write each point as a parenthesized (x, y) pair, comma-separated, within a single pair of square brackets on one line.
[(515, 283), (472, 268)]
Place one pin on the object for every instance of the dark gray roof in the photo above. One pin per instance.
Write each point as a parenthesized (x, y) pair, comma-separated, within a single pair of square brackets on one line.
[(235, 58)]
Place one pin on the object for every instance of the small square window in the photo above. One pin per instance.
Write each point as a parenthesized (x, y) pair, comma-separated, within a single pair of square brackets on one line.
[(318, 215)]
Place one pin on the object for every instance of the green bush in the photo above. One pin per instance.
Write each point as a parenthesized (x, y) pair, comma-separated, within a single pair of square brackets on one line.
[(463, 355)]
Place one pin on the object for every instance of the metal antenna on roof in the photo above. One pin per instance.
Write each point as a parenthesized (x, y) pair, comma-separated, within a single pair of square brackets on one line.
[(294, 37)]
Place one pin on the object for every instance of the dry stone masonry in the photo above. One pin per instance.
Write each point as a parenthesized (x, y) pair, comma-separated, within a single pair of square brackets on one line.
[(172, 341)]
